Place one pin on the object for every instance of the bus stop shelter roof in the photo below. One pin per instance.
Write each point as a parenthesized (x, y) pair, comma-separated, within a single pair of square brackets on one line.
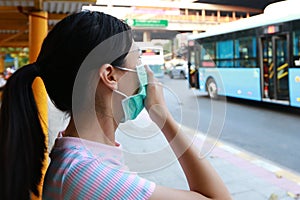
[(14, 17)]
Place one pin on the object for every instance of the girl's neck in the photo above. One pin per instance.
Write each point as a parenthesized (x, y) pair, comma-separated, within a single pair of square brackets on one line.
[(101, 130)]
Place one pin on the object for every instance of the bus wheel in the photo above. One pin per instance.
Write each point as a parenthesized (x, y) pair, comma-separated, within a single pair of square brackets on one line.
[(212, 88)]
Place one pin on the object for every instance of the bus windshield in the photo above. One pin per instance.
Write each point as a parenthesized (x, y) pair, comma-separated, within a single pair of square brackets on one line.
[(152, 56)]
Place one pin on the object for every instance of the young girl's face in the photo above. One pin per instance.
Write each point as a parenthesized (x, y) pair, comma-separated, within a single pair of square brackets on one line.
[(129, 83)]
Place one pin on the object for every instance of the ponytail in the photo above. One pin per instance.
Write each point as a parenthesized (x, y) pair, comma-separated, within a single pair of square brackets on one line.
[(22, 141)]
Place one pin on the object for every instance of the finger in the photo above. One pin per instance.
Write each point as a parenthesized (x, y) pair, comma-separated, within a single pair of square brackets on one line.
[(150, 74)]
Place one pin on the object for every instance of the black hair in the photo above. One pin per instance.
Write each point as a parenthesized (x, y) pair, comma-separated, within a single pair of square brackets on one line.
[(68, 44), (22, 141)]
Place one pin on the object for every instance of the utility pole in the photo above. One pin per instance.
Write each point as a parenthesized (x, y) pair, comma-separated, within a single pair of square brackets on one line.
[(38, 28)]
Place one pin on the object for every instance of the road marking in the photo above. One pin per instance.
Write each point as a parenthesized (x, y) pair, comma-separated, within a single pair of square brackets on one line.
[(274, 169), (266, 165)]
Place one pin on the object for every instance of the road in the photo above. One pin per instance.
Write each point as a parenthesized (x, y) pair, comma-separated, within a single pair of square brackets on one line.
[(272, 132)]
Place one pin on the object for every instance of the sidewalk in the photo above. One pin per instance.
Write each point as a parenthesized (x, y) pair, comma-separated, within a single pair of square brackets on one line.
[(247, 176)]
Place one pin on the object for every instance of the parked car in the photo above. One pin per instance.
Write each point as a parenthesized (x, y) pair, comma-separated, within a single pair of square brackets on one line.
[(180, 70)]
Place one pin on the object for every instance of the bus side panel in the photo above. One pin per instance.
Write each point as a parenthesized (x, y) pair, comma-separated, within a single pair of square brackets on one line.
[(294, 86), (240, 83)]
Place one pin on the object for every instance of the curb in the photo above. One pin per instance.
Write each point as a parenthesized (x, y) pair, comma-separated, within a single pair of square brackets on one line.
[(273, 173)]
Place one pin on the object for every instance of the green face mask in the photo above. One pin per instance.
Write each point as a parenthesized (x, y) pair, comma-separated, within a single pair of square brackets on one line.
[(133, 105)]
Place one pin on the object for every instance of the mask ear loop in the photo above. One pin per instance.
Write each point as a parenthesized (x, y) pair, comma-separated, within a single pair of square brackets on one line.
[(126, 69), (120, 93)]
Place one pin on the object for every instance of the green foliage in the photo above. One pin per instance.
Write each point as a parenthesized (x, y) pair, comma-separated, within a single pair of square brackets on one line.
[(21, 54)]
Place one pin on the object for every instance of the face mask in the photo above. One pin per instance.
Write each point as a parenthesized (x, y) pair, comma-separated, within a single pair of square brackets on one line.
[(133, 105)]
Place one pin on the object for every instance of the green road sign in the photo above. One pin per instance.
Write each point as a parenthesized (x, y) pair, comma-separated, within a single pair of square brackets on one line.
[(147, 22)]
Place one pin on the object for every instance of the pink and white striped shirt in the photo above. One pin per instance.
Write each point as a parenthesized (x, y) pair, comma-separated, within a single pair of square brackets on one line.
[(82, 169)]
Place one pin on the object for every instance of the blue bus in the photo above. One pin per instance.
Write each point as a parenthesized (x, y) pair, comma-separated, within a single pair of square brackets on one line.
[(256, 58)]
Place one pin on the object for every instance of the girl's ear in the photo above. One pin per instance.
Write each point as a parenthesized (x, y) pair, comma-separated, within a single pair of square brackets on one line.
[(108, 75)]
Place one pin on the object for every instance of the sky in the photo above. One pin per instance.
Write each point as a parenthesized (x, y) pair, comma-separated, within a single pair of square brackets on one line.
[(260, 4)]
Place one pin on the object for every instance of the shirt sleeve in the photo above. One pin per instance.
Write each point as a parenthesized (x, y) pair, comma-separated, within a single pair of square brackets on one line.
[(96, 180)]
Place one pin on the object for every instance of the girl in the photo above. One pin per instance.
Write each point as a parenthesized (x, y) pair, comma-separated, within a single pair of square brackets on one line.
[(91, 71)]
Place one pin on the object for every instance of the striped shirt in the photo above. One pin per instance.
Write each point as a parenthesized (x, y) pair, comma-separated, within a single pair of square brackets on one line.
[(82, 169)]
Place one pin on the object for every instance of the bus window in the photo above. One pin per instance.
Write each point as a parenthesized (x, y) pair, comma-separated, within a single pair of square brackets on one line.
[(296, 48), (245, 52), (208, 55), (225, 53)]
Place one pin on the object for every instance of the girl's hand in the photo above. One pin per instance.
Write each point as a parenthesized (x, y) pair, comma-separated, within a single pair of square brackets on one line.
[(155, 103)]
